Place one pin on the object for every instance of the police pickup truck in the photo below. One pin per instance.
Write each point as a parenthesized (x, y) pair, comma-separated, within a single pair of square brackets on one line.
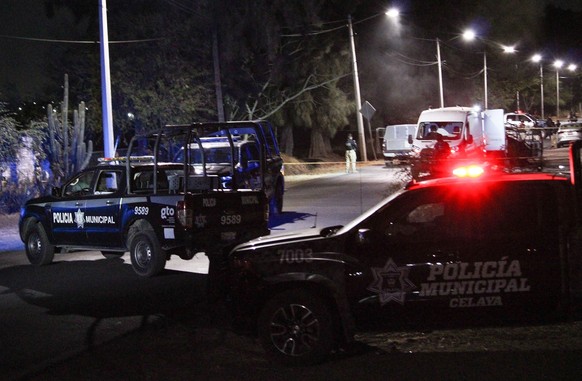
[(131, 204), (245, 152), (478, 245)]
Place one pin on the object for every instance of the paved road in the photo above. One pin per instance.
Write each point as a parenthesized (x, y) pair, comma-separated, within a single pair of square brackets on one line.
[(83, 302)]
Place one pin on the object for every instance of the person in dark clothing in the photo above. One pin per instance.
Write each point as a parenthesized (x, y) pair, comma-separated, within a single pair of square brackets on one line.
[(351, 147)]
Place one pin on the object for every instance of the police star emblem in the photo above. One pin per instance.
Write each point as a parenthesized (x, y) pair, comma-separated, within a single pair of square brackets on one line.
[(80, 219), (200, 221), (391, 283)]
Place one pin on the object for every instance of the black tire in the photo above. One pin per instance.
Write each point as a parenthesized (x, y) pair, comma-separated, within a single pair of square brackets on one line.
[(112, 254), (39, 251), (147, 257), (295, 328)]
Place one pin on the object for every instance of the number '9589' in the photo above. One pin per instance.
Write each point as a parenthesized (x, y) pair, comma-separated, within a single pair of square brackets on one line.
[(234, 219)]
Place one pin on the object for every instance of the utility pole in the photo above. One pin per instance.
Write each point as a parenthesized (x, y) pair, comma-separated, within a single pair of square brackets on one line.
[(217, 81), (360, 119), (108, 146)]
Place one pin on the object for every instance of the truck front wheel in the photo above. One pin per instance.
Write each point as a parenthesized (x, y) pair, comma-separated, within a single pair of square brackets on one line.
[(147, 257), (296, 328), (39, 251)]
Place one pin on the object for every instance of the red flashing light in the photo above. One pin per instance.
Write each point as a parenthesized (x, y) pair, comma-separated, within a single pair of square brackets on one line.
[(469, 171)]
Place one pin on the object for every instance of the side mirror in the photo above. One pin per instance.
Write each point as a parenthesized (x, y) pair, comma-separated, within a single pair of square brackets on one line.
[(368, 237), (470, 139), (56, 192), (410, 140)]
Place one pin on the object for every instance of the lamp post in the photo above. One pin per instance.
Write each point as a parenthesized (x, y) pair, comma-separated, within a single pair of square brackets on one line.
[(108, 145), (538, 59), (440, 72), (359, 118), (511, 50), (391, 13), (470, 35), (558, 65)]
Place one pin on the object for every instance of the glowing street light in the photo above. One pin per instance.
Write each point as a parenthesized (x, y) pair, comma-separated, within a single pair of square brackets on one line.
[(508, 49), (393, 13)]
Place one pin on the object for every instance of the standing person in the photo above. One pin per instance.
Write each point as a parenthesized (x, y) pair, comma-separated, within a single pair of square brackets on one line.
[(351, 147)]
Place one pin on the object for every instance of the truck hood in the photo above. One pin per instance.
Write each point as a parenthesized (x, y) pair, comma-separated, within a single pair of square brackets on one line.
[(286, 238)]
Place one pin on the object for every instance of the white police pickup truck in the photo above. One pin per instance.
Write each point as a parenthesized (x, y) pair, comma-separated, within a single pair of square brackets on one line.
[(482, 245), (130, 204)]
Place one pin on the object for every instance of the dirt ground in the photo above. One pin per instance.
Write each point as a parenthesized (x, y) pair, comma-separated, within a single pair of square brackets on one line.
[(201, 346)]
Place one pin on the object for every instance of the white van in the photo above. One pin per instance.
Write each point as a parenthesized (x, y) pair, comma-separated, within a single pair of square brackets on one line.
[(396, 146), (469, 133)]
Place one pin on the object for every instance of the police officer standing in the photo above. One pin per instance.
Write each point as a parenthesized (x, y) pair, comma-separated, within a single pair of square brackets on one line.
[(351, 147)]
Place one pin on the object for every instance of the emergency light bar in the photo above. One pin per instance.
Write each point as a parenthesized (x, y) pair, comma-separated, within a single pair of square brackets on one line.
[(469, 171)]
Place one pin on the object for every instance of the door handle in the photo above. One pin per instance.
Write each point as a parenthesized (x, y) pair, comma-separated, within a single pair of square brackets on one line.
[(78, 204), (445, 256), (109, 202)]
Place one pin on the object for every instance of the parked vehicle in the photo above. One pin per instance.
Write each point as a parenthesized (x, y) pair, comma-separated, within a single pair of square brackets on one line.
[(469, 134), (568, 132), (148, 204), (480, 246), (245, 151), (396, 146), (529, 122)]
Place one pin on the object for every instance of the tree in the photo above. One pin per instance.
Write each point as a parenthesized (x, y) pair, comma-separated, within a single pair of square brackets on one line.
[(10, 136), (160, 65), (288, 67)]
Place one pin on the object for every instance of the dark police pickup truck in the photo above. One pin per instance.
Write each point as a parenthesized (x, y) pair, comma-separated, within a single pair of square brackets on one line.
[(148, 203), (493, 245)]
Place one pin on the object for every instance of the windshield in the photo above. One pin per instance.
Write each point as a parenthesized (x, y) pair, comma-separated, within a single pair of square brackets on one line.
[(352, 224), (448, 130), (216, 155)]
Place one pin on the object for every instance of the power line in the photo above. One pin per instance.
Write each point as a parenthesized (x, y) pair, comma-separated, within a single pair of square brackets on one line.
[(78, 41)]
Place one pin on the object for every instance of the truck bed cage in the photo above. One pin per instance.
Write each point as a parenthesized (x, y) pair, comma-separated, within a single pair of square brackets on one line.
[(163, 146)]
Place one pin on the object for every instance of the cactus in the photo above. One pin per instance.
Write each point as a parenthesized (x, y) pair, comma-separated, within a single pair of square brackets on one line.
[(69, 153)]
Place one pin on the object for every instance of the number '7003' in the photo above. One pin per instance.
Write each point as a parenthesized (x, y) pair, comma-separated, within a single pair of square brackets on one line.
[(295, 255)]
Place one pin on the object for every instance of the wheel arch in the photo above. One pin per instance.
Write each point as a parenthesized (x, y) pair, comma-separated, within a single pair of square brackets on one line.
[(315, 284), (31, 220)]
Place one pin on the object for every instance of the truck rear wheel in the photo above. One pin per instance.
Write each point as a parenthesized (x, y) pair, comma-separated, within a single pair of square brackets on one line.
[(39, 251), (147, 257), (295, 328)]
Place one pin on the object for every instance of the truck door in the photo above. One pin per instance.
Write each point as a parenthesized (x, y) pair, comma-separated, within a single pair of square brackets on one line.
[(398, 247), (576, 167), (102, 219), (67, 215), (509, 248)]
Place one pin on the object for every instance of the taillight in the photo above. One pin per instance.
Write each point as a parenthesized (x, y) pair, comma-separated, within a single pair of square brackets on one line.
[(184, 214)]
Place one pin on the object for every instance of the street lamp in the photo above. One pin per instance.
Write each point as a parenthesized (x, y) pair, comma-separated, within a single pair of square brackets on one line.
[(558, 65), (469, 35), (392, 13), (359, 118), (440, 72), (538, 59), (511, 50)]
